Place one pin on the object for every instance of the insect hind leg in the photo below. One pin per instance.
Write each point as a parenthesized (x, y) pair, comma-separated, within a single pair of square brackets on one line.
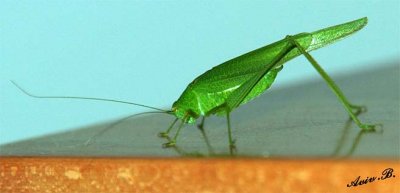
[(349, 107)]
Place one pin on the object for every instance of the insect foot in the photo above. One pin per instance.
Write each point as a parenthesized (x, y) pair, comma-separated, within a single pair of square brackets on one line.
[(370, 127), (232, 147), (169, 144), (359, 109), (163, 134)]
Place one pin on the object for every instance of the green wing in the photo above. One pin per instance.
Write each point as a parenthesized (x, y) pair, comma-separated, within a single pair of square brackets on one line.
[(319, 39), (239, 94), (252, 62), (230, 81)]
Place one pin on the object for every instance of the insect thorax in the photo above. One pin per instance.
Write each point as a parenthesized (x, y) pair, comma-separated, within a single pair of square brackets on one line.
[(184, 112)]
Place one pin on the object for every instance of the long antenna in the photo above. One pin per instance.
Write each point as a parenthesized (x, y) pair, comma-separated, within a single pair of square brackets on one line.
[(88, 141), (88, 98)]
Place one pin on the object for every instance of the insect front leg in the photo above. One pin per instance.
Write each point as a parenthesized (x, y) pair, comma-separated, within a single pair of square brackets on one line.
[(165, 133), (172, 142), (349, 107)]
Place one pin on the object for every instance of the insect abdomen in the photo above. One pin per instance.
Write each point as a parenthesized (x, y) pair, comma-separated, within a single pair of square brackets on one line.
[(263, 85)]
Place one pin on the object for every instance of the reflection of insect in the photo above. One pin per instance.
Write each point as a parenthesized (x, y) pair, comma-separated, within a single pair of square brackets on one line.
[(237, 81)]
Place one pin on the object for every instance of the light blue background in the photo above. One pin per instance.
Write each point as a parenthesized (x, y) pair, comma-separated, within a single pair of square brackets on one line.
[(148, 51)]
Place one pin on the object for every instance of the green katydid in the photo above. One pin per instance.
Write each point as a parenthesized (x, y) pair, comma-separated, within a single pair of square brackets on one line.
[(225, 87)]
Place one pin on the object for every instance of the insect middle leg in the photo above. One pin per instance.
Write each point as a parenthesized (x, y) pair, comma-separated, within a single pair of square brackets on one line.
[(349, 107), (225, 107), (203, 133), (232, 146), (201, 125)]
